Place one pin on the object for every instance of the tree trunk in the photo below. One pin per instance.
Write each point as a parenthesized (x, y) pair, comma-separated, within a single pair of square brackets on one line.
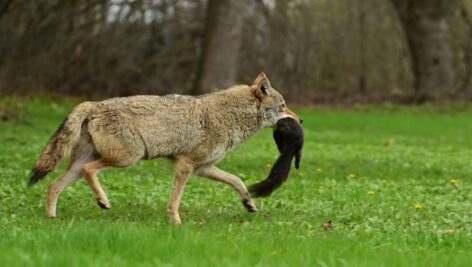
[(362, 35), (427, 30), (4, 7), (219, 61), (466, 84)]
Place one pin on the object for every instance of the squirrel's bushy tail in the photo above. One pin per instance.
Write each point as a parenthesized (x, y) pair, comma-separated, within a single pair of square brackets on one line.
[(288, 136), (277, 176)]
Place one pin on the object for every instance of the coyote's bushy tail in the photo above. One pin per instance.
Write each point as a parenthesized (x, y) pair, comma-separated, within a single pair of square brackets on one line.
[(60, 144)]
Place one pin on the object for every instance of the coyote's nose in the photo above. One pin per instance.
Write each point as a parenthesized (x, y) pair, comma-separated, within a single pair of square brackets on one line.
[(301, 120)]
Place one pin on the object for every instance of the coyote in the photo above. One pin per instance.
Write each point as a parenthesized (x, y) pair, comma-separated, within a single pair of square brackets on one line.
[(193, 132)]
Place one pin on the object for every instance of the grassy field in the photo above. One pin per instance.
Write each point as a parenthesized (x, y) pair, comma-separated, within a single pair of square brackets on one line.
[(396, 182)]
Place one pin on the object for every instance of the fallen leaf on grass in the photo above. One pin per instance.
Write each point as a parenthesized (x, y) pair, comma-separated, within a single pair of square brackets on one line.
[(391, 141), (328, 225), (267, 215), (446, 231)]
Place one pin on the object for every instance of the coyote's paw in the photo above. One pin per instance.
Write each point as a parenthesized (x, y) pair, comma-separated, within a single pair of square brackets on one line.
[(175, 220), (104, 204), (174, 217), (249, 205)]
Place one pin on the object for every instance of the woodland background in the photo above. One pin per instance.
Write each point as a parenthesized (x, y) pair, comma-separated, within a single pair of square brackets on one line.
[(312, 50)]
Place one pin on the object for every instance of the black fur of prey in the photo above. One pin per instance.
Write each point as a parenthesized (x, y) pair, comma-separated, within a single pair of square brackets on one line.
[(288, 136)]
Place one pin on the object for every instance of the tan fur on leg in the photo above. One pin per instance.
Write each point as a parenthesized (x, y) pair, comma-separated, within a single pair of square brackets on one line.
[(72, 174), (214, 173), (56, 187), (90, 171), (183, 169)]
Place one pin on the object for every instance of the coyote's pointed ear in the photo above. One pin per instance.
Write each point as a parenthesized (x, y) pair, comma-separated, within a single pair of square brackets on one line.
[(261, 85)]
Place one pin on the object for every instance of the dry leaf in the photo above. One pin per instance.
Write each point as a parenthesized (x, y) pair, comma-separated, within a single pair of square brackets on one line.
[(391, 141), (267, 215), (328, 225), (446, 231)]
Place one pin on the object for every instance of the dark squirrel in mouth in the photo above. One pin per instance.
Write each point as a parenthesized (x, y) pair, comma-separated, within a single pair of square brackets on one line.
[(288, 135)]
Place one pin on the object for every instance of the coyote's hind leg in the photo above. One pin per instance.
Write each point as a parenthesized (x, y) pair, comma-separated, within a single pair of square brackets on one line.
[(90, 171), (72, 174)]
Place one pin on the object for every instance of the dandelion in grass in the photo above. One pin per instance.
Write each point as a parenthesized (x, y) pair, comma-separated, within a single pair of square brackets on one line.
[(454, 181), (301, 174), (319, 170), (351, 176), (418, 206), (268, 165), (371, 193)]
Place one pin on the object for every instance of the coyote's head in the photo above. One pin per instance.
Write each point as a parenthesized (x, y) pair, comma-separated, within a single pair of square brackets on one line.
[(272, 105)]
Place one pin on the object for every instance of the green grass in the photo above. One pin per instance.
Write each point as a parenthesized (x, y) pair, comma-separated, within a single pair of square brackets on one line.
[(364, 168)]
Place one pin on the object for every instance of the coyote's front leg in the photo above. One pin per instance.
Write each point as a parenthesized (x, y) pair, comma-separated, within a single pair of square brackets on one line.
[(183, 168), (214, 173)]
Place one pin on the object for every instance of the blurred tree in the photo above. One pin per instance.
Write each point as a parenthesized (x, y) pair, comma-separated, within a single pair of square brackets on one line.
[(427, 30), (362, 57), (4, 7), (313, 50), (464, 88), (219, 60)]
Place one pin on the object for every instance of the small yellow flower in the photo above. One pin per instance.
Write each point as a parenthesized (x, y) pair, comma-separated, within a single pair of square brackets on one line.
[(351, 176), (371, 193), (418, 206), (454, 181), (268, 165), (319, 170), (301, 174)]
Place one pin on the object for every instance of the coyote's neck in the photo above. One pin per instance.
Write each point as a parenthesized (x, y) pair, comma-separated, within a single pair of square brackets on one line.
[(233, 113)]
